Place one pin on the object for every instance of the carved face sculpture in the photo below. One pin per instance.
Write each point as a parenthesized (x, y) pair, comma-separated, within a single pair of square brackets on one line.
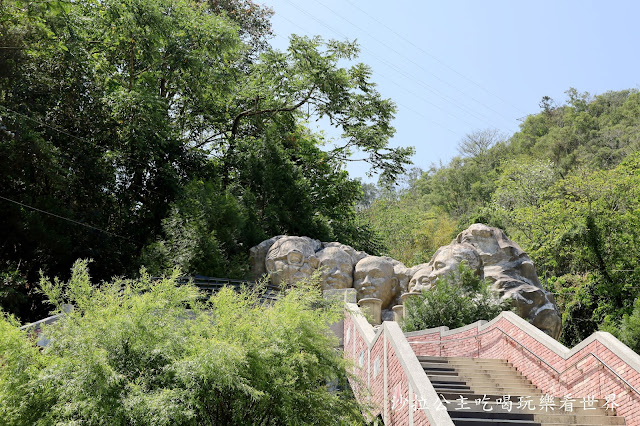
[(492, 244), (447, 259), (373, 277), (421, 278), (336, 267), (291, 259)]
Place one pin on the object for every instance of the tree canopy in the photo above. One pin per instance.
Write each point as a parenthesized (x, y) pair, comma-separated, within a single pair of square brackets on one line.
[(170, 132), (565, 187)]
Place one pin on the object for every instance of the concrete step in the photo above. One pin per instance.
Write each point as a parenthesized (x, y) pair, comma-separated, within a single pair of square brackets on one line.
[(543, 418), (497, 368), (505, 369), (457, 358), (489, 422), (483, 384), (490, 390), (482, 381), (436, 366), (481, 377), (473, 403)]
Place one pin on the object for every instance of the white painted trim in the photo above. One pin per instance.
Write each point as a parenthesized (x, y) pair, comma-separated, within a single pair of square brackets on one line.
[(361, 323), (419, 384), (417, 378), (606, 339)]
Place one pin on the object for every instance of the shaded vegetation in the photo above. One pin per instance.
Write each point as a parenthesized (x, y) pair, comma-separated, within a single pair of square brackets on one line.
[(169, 133), (457, 299), (151, 353)]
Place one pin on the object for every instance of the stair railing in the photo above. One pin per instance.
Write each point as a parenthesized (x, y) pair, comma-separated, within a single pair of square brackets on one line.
[(559, 373)]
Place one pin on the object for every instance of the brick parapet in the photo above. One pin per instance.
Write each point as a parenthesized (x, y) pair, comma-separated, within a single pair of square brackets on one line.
[(387, 375), (582, 372)]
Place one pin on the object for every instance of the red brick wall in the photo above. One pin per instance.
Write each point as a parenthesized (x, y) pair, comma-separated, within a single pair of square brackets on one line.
[(581, 375), (377, 380), (397, 380)]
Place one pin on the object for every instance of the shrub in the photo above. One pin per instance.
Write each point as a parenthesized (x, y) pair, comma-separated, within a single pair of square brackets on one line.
[(456, 300), (152, 352)]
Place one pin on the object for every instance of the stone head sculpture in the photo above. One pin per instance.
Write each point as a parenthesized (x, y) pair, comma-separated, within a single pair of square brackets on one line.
[(447, 259), (336, 267), (374, 277), (492, 245), (444, 262), (420, 279), (504, 264), (291, 259)]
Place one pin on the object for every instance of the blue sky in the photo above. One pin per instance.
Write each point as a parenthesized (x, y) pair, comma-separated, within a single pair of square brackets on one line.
[(454, 67)]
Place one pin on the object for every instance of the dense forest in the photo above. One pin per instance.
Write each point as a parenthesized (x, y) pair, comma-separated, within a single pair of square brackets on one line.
[(169, 133), (566, 187)]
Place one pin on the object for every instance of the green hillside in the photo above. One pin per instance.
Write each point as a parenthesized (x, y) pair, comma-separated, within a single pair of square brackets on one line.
[(566, 187)]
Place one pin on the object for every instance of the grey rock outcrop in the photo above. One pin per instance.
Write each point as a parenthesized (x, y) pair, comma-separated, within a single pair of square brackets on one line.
[(487, 250)]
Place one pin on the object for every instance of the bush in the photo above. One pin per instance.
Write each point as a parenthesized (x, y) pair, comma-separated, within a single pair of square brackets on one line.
[(456, 300), (154, 353), (627, 329)]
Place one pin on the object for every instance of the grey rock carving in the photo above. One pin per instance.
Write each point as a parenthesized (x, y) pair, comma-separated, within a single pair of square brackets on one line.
[(336, 267), (487, 250), (291, 259), (374, 276)]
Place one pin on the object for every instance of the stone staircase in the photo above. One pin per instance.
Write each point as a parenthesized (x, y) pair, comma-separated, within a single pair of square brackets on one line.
[(487, 392)]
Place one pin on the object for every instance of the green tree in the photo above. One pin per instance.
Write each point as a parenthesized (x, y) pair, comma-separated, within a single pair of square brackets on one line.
[(410, 230), (153, 352), (466, 183), (628, 328), (456, 300), (110, 111), (307, 76), (579, 231)]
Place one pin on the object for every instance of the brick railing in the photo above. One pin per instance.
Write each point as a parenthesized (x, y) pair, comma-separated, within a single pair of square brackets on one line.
[(600, 366), (388, 376)]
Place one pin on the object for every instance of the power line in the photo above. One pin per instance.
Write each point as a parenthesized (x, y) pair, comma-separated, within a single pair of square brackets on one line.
[(416, 64), (64, 218), (64, 132), (81, 139), (398, 70), (435, 58), (401, 87)]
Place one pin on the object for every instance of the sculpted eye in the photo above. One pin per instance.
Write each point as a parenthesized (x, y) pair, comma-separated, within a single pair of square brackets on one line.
[(439, 265)]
